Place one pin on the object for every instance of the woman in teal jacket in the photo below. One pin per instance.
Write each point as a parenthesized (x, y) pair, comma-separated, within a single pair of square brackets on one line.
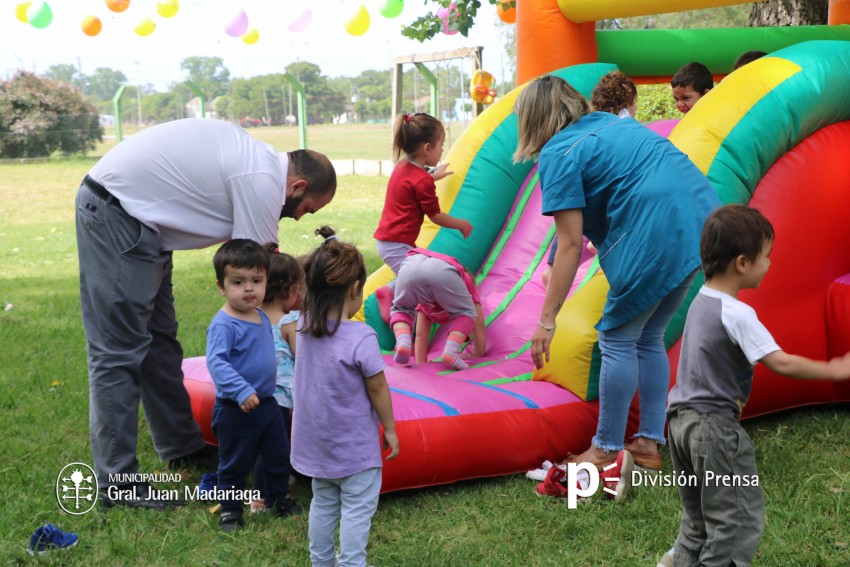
[(642, 203)]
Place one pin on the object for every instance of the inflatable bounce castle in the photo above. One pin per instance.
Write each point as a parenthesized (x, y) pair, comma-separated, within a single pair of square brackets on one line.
[(771, 134)]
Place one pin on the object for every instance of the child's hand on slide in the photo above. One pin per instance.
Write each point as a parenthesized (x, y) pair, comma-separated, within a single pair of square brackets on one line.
[(440, 171)]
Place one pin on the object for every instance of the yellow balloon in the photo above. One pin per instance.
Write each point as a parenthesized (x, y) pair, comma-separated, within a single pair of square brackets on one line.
[(167, 8), (251, 36), (145, 27), (358, 23), (21, 12)]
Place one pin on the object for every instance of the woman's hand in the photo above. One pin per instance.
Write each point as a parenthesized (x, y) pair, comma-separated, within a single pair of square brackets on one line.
[(540, 345)]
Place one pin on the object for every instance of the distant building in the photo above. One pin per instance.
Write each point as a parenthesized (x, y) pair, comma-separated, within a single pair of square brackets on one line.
[(106, 119)]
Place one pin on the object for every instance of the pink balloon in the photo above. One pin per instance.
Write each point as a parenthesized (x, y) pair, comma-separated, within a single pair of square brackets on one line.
[(237, 25), (448, 14), (302, 22)]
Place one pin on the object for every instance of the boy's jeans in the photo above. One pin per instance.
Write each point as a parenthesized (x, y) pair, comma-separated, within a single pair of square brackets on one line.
[(722, 512), (352, 501), (634, 358)]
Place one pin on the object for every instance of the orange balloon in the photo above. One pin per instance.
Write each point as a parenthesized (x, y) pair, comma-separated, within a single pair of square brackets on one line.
[(91, 26), (506, 13), (117, 5)]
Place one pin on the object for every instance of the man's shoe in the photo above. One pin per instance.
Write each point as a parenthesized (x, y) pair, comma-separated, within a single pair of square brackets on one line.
[(648, 462), (287, 506), (139, 495), (617, 477), (48, 538), (231, 521), (205, 458)]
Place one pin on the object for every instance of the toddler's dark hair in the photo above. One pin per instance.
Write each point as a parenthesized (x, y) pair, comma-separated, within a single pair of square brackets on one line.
[(695, 75), (747, 57), (330, 269), (613, 93), (412, 130), (284, 276), (729, 232), (239, 253)]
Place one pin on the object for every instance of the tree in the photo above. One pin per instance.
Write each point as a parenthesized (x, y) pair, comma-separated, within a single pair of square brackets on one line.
[(67, 73), (774, 13), (39, 116), (430, 25), (323, 103), (104, 83), (209, 74)]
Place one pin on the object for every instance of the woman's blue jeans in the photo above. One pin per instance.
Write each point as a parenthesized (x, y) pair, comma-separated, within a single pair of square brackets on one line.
[(634, 359)]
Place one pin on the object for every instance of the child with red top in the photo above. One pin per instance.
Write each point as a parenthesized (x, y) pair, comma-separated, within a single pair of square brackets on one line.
[(442, 291), (411, 192)]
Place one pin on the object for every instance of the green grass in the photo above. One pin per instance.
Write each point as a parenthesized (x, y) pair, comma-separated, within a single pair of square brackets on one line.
[(802, 455), (346, 141)]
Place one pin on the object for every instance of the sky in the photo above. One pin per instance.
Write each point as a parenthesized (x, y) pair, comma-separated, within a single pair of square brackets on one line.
[(198, 29)]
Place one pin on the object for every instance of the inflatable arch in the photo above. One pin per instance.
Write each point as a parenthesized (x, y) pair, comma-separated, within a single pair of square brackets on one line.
[(773, 133)]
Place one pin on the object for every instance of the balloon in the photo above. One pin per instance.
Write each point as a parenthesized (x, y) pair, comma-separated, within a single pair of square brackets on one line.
[(91, 26), (167, 8), (448, 15), (506, 13), (21, 12), (392, 8), (237, 25), (480, 87), (145, 27), (117, 5), (302, 22), (251, 36), (40, 15), (358, 23)]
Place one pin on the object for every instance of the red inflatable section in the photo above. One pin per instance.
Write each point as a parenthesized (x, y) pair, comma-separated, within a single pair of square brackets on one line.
[(802, 302)]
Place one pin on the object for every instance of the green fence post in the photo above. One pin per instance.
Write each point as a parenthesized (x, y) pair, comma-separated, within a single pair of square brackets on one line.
[(201, 96), (302, 108), (116, 108)]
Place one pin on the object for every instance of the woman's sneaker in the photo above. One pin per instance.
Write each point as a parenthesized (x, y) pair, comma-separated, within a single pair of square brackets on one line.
[(644, 460), (617, 477), (48, 538)]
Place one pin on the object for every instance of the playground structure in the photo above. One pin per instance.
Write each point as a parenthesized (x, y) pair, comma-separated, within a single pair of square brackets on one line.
[(773, 134)]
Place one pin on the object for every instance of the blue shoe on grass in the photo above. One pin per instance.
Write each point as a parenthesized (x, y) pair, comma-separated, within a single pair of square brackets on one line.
[(48, 537)]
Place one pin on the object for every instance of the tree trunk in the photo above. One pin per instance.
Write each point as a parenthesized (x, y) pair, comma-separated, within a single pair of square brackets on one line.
[(775, 13)]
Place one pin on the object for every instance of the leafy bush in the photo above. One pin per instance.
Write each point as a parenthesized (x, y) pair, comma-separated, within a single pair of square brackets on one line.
[(655, 102), (39, 116)]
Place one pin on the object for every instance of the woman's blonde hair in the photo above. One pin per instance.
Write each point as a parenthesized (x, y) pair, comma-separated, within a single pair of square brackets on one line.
[(546, 106)]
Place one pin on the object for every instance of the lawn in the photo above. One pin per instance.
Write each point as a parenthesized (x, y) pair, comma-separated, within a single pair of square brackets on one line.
[(802, 455)]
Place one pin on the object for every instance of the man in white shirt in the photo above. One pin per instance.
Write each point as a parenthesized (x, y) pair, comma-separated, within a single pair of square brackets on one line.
[(181, 185)]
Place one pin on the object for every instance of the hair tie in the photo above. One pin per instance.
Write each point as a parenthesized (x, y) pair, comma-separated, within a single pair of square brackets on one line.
[(331, 237), (407, 117)]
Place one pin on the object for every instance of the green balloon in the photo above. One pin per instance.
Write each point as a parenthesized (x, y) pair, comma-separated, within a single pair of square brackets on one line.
[(392, 8), (41, 16)]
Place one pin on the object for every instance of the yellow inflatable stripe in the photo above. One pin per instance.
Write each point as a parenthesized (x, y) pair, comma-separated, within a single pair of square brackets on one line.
[(593, 10), (702, 131)]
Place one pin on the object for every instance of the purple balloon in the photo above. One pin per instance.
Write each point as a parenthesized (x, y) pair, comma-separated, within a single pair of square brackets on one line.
[(237, 25)]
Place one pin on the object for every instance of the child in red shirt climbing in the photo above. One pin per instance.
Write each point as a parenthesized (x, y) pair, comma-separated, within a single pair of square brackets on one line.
[(412, 193)]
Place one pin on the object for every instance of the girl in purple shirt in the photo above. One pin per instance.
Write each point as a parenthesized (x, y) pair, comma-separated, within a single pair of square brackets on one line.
[(342, 395)]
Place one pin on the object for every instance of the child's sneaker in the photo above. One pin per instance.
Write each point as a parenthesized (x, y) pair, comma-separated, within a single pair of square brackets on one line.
[(667, 559), (48, 538), (287, 506), (553, 484), (540, 474), (231, 521), (258, 505), (617, 477)]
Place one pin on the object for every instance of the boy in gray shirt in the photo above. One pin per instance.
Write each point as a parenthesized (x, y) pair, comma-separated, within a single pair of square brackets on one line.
[(723, 506)]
